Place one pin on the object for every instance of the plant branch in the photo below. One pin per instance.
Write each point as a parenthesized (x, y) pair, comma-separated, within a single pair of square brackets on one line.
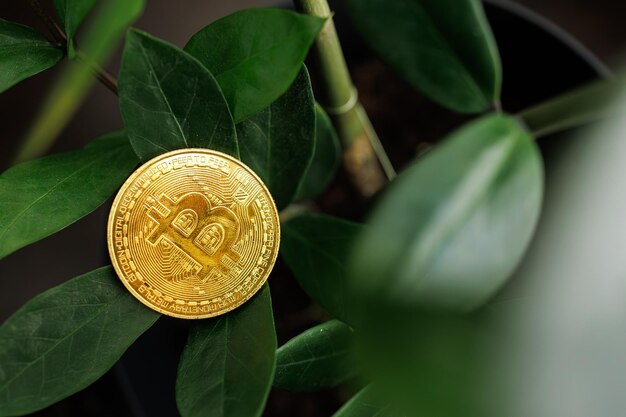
[(582, 106), (56, 31), (363, 154)]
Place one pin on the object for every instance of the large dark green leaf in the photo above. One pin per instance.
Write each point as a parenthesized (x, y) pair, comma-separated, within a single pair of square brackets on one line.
[(278, 143), (316, 249), (444, 48), (325, 160), (72, 13), (453, 226), (321, 357), (255, 54), (23, 53), (110, 21), (366, 403), (227, 367), (40, 197), (168, 100), (64, 339)]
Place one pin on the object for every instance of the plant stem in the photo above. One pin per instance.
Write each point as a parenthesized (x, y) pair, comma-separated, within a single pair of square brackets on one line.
[(106, 78), (363, 152), (587, 104), (53, 27)]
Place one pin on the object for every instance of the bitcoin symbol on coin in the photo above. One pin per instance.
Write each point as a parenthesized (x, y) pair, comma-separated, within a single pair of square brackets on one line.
[(190, 223), (193, 233)]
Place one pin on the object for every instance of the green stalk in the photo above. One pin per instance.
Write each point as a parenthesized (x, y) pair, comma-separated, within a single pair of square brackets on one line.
[(582, 106), (364, 155)]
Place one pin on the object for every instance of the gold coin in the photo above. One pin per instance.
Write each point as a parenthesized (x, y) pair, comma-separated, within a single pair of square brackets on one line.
[(193, 233)]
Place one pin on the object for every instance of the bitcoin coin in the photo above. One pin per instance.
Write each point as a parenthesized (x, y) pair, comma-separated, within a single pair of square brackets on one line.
[(193, 233)]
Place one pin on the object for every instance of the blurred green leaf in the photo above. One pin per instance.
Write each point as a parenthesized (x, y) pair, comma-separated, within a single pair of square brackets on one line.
[(72, 13), (278, 143), (366, 403), (589, 103), (65, 338), (426, 363), (444, 48), (23, 52), (326, 158), (562, 339), (453, 227), (316, 248), (319, 358), (255, 54), (169, 101), (41, 197), (227, 367), (111, 19)]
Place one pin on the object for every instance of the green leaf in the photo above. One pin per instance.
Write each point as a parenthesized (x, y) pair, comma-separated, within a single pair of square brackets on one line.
[(325, 160), (316, 248), (278, 143), (72, 13), (169, 101), (453, 226), (321, 357), (227, 367), (429, 364), (64, 339), (562, 334), (41, 197), (23, 52), (444, 48), (255, 54), (366, 403), (110, 21)]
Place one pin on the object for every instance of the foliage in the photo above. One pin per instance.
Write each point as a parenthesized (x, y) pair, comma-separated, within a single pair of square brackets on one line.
[(406, 290)]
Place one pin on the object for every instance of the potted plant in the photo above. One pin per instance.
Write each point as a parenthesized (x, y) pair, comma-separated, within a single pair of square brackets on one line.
[(407, 291)]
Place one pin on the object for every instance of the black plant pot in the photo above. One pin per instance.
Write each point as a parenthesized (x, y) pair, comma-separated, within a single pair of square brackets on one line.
[(539, 61)]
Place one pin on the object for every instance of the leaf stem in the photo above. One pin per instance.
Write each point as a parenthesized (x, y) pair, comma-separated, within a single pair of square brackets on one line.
[(582, 106), (364, 155)]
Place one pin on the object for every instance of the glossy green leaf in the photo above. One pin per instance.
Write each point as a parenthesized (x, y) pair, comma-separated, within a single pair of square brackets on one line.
[(41, 197), (366, 403), (110, 21), (326, 158), (278, 143), (316, 248), (72, 13), (444, 48), (321, 357), (453, 226), (169, 101), (255, 54), (64, 339), (23, 52), (227, 367)]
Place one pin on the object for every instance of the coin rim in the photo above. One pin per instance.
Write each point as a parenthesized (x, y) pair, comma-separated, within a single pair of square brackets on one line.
[(113, 210)]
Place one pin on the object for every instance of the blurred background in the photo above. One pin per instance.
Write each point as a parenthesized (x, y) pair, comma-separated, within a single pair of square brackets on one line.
[(539, 60)]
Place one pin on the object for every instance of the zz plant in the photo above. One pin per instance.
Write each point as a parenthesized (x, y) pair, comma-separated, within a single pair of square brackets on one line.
[(406, 289)]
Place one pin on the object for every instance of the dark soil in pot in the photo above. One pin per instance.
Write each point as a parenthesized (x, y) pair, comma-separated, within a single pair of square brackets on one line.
[(538, 63)]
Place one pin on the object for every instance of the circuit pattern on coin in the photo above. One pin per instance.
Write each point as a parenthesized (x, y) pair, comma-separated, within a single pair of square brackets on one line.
[(193, 233)]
